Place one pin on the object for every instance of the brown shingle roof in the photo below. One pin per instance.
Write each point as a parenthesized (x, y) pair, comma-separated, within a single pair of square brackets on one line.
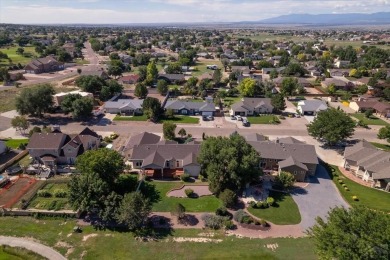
[(46, 141)]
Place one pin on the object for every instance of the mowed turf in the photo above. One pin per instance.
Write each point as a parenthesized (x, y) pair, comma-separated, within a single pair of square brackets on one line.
[(18, 58)]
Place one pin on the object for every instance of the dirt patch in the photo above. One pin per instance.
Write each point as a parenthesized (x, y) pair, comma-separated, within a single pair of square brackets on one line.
[(12, 193), (63, 244), (85, 238), (199, 190), (196, 239)]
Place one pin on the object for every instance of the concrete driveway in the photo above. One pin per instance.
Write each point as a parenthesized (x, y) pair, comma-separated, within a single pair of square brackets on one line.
[(317, 198)]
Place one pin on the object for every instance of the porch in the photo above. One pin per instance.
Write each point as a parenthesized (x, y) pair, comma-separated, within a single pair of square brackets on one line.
[(163, 173)]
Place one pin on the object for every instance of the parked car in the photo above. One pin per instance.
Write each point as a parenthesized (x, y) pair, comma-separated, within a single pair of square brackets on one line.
[(211, 118), (239, 118), (233, 117), (245, 122)]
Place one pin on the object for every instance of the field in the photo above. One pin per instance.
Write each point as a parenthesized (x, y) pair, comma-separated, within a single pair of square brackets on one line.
[(16, 253), (201, 67), (108, 244), (373, 120), (52, 202), (368, 197), (284, 212), (14, 143), (267, 119), (165, 204), (17, 58)]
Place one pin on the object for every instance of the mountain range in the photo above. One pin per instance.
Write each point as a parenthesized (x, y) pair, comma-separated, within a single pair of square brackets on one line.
[(330, 19)]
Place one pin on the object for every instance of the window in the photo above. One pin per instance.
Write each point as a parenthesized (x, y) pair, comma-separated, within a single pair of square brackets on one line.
[(167, 164), (177, 164), (262, 164), (138, 163)]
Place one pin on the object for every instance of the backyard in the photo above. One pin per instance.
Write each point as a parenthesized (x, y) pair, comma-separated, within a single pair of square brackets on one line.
[(108, 244), (15, 143), (385, 147), (373, 120), (367, 197), (264, 119), (201, 67), (54, 201), (284, 211), (165, 204)]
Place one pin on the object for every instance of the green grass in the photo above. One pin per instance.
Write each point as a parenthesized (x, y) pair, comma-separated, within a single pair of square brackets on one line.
[(14, 143), (51, 203), (81, 61), (131, 118), (368, 197), (16, 253), (267, 119), (373, 120), (17, 58), (108, 244), (201, 204), (284, 212), (201, 67), (181, 120), (385, 147)]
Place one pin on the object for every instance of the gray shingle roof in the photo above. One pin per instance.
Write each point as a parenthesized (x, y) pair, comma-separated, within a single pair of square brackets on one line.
[(201, 106), (312, 105), (291, 161), (251, 104), (123, 103)]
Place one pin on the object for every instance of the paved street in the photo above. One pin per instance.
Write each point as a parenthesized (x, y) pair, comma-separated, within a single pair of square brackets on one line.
[(317, 198), (28, 244)]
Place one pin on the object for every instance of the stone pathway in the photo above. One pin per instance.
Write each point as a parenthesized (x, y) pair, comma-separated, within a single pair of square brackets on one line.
[(200, 190), (36, 247)]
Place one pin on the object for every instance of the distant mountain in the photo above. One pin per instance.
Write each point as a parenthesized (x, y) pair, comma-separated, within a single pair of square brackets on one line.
[(330, 19)]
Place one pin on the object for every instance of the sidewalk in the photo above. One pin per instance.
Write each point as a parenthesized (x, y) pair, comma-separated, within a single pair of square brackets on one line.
[(354, 178)]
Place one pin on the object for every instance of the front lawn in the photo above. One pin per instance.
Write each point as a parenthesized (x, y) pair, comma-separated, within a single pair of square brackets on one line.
[(131, 118), (284, 212), (17, 253), (201, 67), (265, 119), (181, 120), (14, 143), (165, 204), (373, 120), (52, 202), (114, 244), (368, 197), (385, 147)]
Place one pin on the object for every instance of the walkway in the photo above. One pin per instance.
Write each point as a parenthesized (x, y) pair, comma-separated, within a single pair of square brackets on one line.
[(317, 198), (354, 178), (38, 248)]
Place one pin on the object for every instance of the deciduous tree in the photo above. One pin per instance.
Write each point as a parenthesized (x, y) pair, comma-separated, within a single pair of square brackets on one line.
[(384, 133), (35, 101), (152, 108), (134, 210), (247, 87), (140, 90), (278, 102), (162, 87), (20, 123), (169, 130)]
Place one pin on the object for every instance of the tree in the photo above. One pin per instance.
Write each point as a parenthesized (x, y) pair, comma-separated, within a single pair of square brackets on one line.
[(179, 211), (289, 86), (228, 198), (152, 108), (294, 69), (35, 101), (82, 108), (285, 179), (162, 87), (90, 83), (151, 73), (332, 126), (182, 132), (384, 133), (67, 102), (362, 89), (20, 123), (217, 76), (173, 68), (274, 74), (354, 233), (140, 90), (20, 51), (386, 93), (115, 71), (332, 89), (142, 72), (169, 130), (169, 113), (228, 163), (278, 102), (134, 210), (247, 87), (368, 113)]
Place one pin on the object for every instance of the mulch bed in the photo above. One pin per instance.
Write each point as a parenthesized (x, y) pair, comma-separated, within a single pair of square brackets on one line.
[(255, 227)]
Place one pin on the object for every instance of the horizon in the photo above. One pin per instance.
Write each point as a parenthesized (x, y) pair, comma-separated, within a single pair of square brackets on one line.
[(103, 12)]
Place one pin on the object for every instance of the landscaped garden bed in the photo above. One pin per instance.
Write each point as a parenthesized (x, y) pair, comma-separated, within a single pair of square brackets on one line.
[(52, 196)]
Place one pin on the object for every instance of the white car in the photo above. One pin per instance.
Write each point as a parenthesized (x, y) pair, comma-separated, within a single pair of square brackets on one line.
[(239, 118)]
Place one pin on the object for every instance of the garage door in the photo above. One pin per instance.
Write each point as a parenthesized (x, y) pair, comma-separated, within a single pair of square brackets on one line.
[(207, 113)]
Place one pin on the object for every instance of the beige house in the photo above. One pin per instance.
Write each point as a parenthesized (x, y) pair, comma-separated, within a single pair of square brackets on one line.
[(59, 97), (252, 106)]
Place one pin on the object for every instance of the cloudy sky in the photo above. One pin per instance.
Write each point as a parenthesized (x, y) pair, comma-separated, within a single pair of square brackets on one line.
[(159, 11)]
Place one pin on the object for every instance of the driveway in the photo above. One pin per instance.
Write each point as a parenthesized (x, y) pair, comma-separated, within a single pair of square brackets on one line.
[(317, 198), (40, 249)]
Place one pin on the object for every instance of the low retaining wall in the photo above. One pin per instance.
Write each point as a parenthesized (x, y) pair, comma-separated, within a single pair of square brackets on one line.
[(13, 160), (26, 213)]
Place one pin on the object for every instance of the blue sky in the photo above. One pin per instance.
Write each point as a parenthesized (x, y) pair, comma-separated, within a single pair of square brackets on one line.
[(158, 11)]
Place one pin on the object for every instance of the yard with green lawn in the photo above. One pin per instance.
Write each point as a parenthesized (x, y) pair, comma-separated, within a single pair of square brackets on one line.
[(284, 212), (385, 147), (28, 55), (116, 244), (52, 202), (81, 61), (166, 204), (264, 119), (131, 118), (368, 197), (373, 120), (181, 120), (14, 143), (17, 253), (201, 67)]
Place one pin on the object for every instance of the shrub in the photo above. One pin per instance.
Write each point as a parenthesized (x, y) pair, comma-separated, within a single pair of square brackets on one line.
[(223, 212), (341, 181), (247, 220), (228, 224), (228, 198), (252, 204), (114, 136), (44, 193), (107, 139), (344, 185), (270, 201), (346, 189), (60, 194), (259, 205), (239, 215), (285, 179), (213, 221), (189, 192), (355, 198), (282, 117), (263, 222), (185, 177), (22, 146)]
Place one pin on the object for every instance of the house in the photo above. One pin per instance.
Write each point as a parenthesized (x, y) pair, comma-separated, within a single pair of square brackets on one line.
[(301, 81), (369, 163), (311, 107), (3, 147), (124, 106), (55, 148), (381, 108), (59, 97), (162, 158), (172, 78), (287, 154), (339, 72), (269, 70), (256, 77), (341, 63), (252, 106), (126, 59), (338, 83), (129, 79), (241, 69), (43, 65), (100, 73), (191, 108)]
